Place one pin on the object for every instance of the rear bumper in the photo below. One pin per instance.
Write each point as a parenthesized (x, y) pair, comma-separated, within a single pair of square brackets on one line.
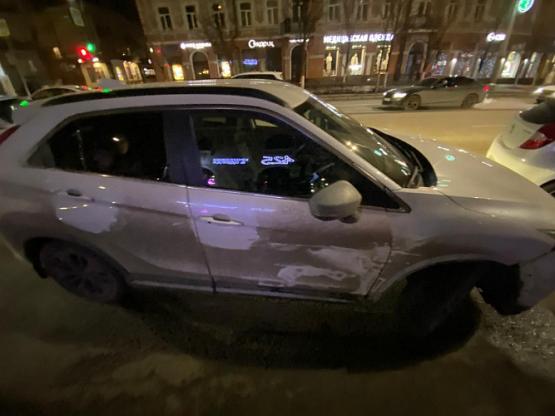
[(520, 161), (538, 279)]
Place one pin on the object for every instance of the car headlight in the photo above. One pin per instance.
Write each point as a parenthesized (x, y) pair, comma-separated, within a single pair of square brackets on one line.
[(539, 91), (398, 95), (550, 233)]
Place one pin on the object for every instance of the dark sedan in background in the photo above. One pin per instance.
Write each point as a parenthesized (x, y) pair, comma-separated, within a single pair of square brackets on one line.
[(442, 91)]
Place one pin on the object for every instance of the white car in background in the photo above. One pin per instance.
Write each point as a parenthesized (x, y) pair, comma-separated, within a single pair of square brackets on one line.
[(271, 75), (56, 90), (527, 146), (543, 92)]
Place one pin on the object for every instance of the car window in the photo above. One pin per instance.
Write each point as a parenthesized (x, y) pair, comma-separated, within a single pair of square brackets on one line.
[(463, 81), (40, 95), (540, 114), (125, 144), (256, 76), (252, 152), (373, 148)]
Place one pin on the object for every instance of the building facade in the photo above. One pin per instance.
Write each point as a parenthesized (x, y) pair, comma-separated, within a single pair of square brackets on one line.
[(356, 39)]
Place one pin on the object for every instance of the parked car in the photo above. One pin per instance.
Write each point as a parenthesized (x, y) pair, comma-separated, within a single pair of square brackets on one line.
[(543, 92), (261, 188), (56, 90), (527, 145), (443, 91), (272, 75)]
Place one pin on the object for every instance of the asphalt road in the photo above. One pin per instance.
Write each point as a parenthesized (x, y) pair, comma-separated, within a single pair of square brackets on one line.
[(182, 354)]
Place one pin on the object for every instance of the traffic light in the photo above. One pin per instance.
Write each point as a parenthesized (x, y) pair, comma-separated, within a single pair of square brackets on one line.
[(84, 53), (91, 47)]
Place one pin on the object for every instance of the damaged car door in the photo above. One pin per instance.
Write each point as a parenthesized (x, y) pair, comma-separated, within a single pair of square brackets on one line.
[(249, 202)]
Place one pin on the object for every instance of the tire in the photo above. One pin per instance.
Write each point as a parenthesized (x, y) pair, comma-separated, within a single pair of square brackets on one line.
[(430, 297), (550, 188), (82, 272), (412, 102), (470, 101)]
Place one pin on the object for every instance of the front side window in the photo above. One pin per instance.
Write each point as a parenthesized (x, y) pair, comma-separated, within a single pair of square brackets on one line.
[(250, 152), (373, 148), (272, 11), (334, 10), (191, 17), (245, 14), (125, 144), (165, 18)]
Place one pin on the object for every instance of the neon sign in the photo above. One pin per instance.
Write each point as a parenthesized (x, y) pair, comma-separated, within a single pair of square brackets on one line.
[(523, 6), (232, 161), (250, 62), (195, 45), (495, 37), (359, 38), (276, 160), (261, 44)]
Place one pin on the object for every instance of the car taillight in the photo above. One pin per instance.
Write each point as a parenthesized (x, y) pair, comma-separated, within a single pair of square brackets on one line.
[(540, 138), (7, 133), (486, 88)]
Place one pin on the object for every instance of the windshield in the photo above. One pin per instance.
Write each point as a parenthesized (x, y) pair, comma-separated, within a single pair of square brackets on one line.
[(428, 82), (362, 140)]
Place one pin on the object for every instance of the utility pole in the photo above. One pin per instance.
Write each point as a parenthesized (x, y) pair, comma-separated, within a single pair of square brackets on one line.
[(499, 63)]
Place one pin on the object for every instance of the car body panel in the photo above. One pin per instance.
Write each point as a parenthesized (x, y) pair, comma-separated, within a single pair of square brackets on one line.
[(276, 242)]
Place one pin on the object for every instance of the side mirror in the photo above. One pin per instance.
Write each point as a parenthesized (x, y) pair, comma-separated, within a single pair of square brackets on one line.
[(339, 201)]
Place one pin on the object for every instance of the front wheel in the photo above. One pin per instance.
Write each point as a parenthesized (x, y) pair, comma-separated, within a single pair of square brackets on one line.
[(412, 102), (81, 272), (430, 297)]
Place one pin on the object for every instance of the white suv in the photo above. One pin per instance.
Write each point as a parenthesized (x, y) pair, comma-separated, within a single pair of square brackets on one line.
[(259, 187)]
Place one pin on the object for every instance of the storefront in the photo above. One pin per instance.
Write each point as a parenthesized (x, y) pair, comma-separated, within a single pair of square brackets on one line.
[(94, 71), (358, 54), (261, 55)]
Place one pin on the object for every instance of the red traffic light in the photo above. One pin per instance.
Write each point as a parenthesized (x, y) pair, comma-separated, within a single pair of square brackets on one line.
[(84, 54)]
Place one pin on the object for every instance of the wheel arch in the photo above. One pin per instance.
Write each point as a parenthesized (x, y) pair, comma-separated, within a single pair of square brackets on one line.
[(33, 246)]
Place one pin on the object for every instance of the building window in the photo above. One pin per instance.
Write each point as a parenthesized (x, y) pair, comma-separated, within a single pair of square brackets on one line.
[(452, 10), (296, 10), (218, 15), (362, 10), (57, 53), (165, 18), (334, 10), (479, 10), (191, 17), (424, 8), (245, 10), (272, 11), (387, 9)]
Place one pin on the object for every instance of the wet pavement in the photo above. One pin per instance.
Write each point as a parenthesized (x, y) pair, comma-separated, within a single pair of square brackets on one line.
[(181, 354)]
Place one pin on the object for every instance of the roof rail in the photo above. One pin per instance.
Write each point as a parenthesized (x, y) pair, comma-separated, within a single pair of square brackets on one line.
[(138, 92)]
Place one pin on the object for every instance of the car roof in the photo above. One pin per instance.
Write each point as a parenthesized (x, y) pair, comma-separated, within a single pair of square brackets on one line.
[(279, 92)]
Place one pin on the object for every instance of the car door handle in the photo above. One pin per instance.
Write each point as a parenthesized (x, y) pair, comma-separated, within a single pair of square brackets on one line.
[(220, 219), (76, 194)]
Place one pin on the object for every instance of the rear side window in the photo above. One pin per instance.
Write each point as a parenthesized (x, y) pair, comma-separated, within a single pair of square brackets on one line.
[(540, 114), (464, 82), (125, 144)]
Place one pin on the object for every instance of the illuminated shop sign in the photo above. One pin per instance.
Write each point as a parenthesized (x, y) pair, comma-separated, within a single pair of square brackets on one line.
[(297, 40), (277, 160), (359, 38), (250, 62), (261, 44), (195, 45), (496, 37), (230, 161), (523, 6)]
